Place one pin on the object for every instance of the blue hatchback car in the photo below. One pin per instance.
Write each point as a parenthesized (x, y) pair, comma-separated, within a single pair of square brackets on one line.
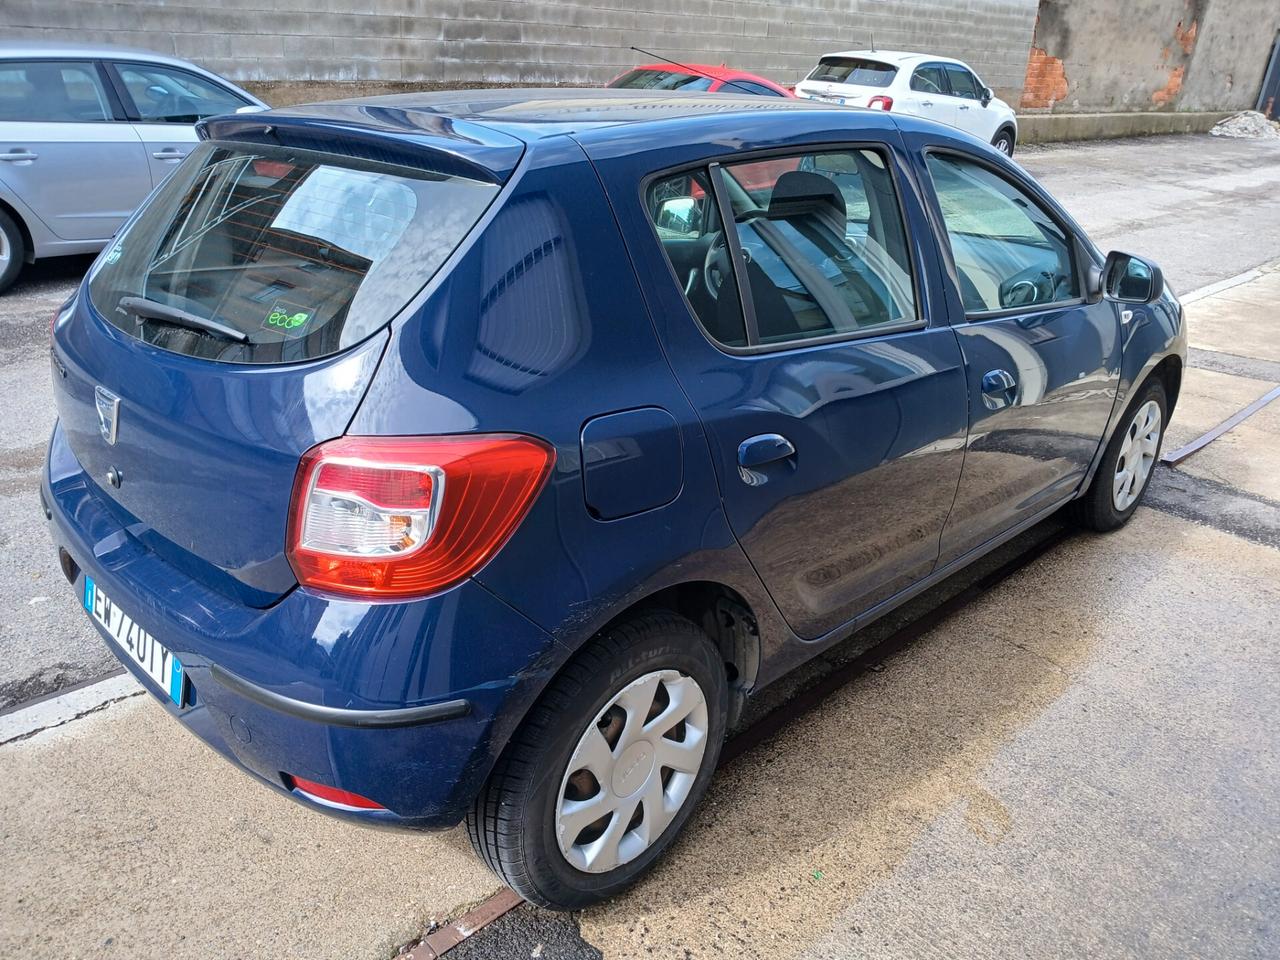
[(477, 455)]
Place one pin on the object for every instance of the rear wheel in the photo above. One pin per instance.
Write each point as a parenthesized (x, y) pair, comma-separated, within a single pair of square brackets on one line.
[(13, 251), (1004, 141), (1128, 463), (608, 766)]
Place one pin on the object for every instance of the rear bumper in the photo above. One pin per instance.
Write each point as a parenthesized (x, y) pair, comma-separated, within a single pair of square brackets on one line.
[(407, 704)]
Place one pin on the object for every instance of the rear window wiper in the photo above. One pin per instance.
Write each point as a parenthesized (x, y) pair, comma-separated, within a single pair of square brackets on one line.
[(146, 309)]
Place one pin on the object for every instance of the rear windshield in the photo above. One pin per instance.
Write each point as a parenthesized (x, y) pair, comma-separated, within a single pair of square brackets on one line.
[(257, 254), (662, 80), (854, 70)]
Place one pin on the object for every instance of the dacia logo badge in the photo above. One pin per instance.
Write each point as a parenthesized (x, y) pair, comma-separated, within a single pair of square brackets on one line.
[(108, 413)]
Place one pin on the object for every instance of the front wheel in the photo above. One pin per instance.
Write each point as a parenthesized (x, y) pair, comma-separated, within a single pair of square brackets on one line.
[(608, 766), (1004, 142), (1128, 463)]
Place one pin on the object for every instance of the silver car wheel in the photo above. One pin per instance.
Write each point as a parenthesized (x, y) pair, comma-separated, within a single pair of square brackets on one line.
[(1137, 456), (632, 770), (6, 251)]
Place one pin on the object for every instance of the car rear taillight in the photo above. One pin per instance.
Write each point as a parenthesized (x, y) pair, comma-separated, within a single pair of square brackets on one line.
[(330, 796), (399, 517), (880, 103)]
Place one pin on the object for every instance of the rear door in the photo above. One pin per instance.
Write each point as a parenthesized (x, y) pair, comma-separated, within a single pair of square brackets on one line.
[(164, 103), (66, 150), (929, 96), (834, 405), (1043, 363)]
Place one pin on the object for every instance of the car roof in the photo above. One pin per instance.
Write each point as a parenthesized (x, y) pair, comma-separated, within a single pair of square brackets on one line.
[(898, 57), (46, 50), (721, 72), (484, 133)]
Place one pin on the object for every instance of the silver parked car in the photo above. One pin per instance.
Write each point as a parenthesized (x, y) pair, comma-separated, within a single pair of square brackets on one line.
[(85, 133)]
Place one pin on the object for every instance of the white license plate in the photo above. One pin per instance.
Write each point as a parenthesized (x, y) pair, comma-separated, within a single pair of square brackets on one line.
[(146, 651), (826, 99)]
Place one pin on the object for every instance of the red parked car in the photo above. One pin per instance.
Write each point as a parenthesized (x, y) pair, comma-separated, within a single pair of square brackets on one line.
[(697, 76)]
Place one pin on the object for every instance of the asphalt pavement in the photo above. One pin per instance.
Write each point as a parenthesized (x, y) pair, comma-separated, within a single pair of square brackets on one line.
[(1079, 763)]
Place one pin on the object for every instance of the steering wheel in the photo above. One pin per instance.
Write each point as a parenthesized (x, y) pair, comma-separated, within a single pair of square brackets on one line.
[(716, 266)]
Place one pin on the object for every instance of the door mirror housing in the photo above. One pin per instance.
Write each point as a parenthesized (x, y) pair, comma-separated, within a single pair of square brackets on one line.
[(987, 96), (1130, 279), (679, 215)]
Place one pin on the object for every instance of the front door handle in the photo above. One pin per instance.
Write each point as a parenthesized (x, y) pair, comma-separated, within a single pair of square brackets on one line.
[(169, 153), (16, 156), (999, 389), (926, 103)]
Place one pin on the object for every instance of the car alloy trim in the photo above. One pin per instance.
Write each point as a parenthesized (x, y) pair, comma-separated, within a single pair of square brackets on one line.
[(341, 716)]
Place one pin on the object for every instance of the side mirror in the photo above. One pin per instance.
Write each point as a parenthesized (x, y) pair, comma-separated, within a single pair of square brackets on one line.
[(678, 214), (987, 95), (1130, 279)]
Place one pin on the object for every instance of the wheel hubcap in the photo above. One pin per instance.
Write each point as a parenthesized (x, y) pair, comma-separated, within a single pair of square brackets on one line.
[(632, 770), (4, 250), (1137, 456)]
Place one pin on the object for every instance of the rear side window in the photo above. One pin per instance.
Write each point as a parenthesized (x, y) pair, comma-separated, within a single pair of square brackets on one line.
[(49, 91), (256, 254), (854, 70), (166, 95), (929, 79), (747, 86), (824, 251), (662, 80)]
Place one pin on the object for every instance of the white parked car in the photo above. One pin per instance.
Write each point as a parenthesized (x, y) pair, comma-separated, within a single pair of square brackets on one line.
[(936, 88)]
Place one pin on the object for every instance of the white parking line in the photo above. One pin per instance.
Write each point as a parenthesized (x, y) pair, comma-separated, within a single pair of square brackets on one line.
[(69, 706)]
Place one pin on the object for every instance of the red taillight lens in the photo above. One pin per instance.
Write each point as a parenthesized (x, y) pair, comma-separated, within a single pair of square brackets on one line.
[(331, 795), (408, 516), (880, 103)]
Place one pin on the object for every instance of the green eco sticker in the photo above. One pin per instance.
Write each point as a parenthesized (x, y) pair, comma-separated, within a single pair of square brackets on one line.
[(287, 319)]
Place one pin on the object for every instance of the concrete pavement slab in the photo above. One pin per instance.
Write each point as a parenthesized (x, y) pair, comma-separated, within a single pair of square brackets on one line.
[(1242, 320), (1071, 766), (1206, 399), (123, 836)]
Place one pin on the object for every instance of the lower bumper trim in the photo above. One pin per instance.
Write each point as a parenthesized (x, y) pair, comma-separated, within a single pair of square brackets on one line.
[(341, 716)]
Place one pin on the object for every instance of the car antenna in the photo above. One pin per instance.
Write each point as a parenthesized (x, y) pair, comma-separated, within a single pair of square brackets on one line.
[(695, 70), (873, 41)]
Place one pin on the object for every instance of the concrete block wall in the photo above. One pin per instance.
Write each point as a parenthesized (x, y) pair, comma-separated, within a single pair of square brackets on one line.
[(1093, 56), (311, 44)]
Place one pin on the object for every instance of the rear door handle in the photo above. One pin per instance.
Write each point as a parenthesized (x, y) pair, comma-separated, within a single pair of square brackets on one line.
[(926, 103), (16, 156), (765, 448), (169, 153), (999, 389)]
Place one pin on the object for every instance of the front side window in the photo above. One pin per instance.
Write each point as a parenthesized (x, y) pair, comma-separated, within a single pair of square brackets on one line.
[(258, 254), (166, 95), (854, 70), (929, 79), (747, 86), (1009, 252), (963, 83), (641, 79), (48, 91), (824, 249)]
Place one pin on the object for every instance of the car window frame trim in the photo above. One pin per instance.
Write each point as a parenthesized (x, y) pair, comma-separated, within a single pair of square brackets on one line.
[(944, 239), (917, 254), (134, 115), (946, 81)]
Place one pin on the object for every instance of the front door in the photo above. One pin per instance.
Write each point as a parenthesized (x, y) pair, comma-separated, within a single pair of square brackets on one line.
[(1043, 363), (834, 408), (167, 102), (78, 168)]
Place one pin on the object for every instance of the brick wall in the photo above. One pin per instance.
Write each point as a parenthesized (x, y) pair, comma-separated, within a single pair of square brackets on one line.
[(1141, 55), (313, 43)]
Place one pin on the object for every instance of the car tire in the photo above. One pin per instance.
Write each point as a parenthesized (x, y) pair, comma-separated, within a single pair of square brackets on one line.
[(1128, 463), (531, 823), (1004, 141), (13, 251)]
